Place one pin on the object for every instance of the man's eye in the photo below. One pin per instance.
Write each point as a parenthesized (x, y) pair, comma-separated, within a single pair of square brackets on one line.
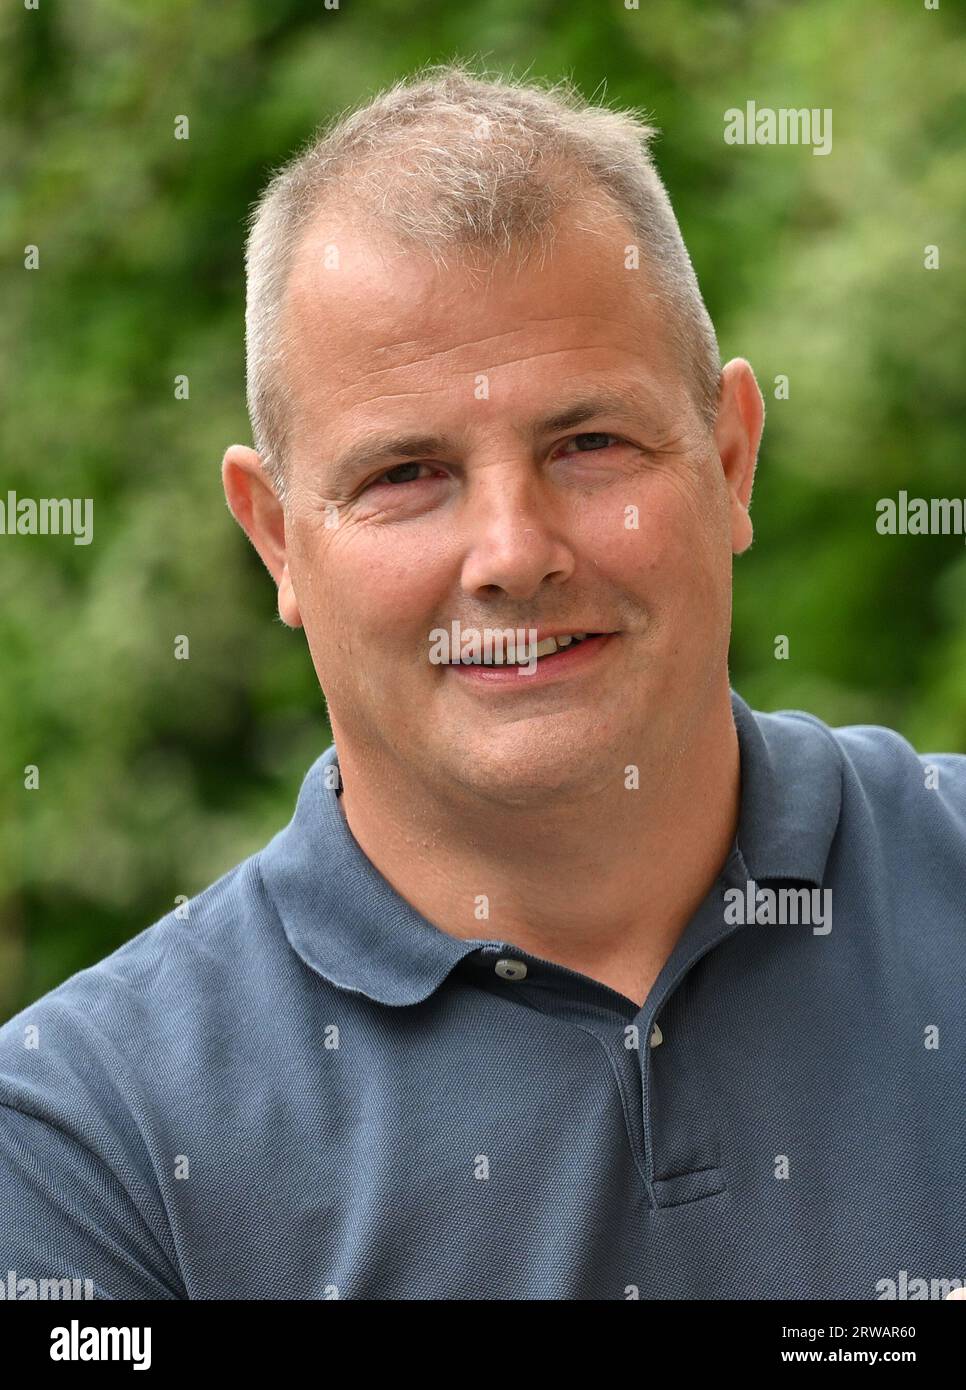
[(410, 470), (587, 443)]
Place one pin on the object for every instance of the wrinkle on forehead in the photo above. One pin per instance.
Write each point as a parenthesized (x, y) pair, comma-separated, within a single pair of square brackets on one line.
[(392, 320)]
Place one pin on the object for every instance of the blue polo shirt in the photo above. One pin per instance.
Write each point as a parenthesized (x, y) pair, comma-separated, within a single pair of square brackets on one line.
[(299, 1088)]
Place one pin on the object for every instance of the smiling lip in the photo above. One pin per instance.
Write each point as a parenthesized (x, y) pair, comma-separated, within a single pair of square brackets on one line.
[(571, 661), (543, 632)]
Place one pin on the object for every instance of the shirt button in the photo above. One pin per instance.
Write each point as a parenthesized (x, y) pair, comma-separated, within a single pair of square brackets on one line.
[(511, 969), (657, 1037)]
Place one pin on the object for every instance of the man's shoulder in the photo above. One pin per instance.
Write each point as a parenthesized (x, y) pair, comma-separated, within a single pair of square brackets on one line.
[(878, 764), (190, 994), (169, 989)]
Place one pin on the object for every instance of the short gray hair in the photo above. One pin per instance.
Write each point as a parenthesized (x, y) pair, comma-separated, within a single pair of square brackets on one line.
[(448, 159)]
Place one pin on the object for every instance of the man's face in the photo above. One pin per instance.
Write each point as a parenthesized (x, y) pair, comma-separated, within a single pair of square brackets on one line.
[(621, 522)]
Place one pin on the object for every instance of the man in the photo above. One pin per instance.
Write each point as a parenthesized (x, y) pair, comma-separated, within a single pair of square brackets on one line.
[(572, 977)]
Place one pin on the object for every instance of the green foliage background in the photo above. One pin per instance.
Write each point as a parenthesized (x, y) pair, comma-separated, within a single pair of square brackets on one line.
[(158, 775)]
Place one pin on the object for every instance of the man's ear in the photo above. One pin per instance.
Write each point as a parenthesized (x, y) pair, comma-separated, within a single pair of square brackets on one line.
[(259, 513), (737, 434)]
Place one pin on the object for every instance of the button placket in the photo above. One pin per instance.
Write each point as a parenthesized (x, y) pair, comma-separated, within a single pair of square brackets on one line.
[(670, 1181)]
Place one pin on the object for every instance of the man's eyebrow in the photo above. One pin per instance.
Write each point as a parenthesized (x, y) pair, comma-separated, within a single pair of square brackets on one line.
[(381, 448), (603, 401), (378, 447)]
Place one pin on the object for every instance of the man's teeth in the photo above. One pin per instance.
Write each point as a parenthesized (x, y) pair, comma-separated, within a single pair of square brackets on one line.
[(547, 647)]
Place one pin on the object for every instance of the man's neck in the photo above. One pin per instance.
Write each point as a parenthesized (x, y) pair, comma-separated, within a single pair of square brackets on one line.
[(603, 885)]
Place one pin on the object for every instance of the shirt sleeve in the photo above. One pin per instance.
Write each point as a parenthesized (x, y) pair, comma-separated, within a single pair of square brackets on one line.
[(64, 1215), (80, 1194)]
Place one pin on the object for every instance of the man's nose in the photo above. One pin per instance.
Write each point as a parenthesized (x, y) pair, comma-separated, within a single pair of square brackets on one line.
[(515, 534)]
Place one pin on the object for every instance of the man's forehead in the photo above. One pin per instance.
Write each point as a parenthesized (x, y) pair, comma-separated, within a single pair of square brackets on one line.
[(355, 279), (367, 319), (350, 279)]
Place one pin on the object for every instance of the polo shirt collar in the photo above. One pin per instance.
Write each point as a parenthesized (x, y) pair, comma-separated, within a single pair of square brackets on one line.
[(350, 925), (339, 913), (791, 794)]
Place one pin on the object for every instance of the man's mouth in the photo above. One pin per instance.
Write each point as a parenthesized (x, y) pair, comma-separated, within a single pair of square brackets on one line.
[(548, 647)]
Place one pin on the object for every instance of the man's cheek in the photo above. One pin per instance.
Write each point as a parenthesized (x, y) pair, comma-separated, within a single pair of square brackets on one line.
[(645, 557)]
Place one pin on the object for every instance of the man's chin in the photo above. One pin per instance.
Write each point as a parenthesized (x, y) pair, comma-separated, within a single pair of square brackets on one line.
[(520, 773)]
